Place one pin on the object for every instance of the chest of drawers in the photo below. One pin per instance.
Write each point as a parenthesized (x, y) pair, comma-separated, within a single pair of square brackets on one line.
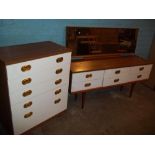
[(96, 74), (34, 81)]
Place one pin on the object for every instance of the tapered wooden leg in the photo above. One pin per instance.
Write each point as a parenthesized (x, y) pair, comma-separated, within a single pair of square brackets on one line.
[(131, 89), (83, 100), (121, 88), (75, 97)]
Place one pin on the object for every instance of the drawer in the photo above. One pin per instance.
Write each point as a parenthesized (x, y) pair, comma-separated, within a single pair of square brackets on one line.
[(32, 90), (43, 108), (83, 85), (144, 70), (28, 81), (38, 66), (117, 80), (141, 72), (87, 76), (110, 73)]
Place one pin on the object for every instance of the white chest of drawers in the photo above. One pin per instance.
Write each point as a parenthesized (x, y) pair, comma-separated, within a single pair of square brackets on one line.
[(35, 89)]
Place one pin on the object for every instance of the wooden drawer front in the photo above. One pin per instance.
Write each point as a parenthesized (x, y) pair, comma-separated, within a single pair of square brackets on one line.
[(43, 108), (114, 73), (85, 85), (38, 67), (141, 72), (17, 96), (85, 76), (37, 79), (116, 80)]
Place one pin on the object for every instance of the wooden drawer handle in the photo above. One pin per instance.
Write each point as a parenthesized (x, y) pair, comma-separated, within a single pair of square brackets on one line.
[(116, 80), (59, 60), (141, 68), (87, 84), (26, 68), (26, 81), (58, 81), (89, 75), (139, 76), (58, 71), (57, 101), (26, 105), (28, 115), (58, 91), (27, 93), (117, 72)]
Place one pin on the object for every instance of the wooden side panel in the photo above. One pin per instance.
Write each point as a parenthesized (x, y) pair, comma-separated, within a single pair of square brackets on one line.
[(5, 111)]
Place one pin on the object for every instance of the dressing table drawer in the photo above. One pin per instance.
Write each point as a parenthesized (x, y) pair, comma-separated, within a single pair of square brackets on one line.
[(118, 72), (85, 76), (85, 85)]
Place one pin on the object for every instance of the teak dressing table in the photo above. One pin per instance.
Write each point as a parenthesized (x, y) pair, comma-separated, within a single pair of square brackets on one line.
[(90, 75), (106, 58)]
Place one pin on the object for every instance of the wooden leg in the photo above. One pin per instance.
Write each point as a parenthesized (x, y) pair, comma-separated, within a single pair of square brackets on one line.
[(131, 89), (154, 88), (121, 88), (75, 97), (83, 100)]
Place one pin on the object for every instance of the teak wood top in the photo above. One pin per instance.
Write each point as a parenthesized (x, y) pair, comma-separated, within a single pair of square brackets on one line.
[(20, 53), (109, 63)]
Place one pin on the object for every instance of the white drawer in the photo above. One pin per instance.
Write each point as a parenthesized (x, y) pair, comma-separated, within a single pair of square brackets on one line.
[(36, 89), (141, 72), (85, 85), (27, 81), (94, 75), (42, 66), (116, 73), (117, 80), (43, 108)]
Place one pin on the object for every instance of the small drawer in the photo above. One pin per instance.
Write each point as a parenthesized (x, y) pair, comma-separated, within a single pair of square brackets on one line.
[(82, 85), (110, 73), (117, 80), (85, 76)]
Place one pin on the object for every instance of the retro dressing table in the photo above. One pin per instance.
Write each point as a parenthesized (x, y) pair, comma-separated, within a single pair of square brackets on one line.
[(105, 57)]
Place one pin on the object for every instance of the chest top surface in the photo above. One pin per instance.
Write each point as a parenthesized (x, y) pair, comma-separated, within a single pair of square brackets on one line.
[(20, 53), (109, 63)]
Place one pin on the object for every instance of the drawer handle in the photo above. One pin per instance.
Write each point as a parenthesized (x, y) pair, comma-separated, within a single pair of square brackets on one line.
[(26, 105), (58, 71), (58, 81), (57, 101), (28, 115), (26, 68), (27, 93), (139, 76), (89, 75), (58, 91), (59, 60), (117, 72), (87, 84), (116, 80), (26, 81), (141, 68)]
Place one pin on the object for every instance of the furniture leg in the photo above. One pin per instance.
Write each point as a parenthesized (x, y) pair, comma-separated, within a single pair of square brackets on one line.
[(83, 99), (75, 97), (154, 88), (131, 89)]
